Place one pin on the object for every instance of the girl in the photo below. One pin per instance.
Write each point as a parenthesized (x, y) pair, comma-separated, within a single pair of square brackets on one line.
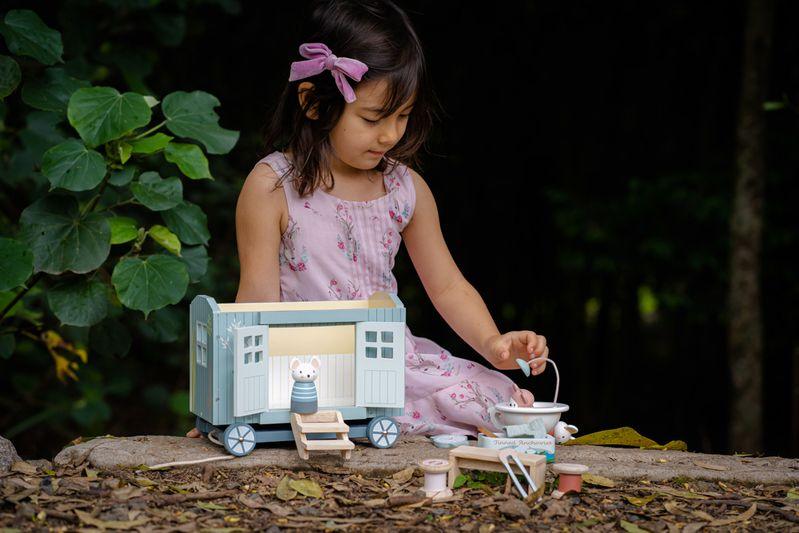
[(323, 218)]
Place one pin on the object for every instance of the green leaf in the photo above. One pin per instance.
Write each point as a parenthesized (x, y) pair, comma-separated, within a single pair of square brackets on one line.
[(624, 436), (120, 178), (630, 527), (189, 223), (123, 229), (151, 144), (189, 158), (80, 302), (307, 487), (163, 325), (284, 490), (149, 284), (52, 91), (102, 114), (61, 239), (110, 337), (165, 238), (72, 166), (196, 259), (460, 480), (7, 346), (27, 35), (157, 194), (192, 115), (123, 151), (16, 263), (9, 75)]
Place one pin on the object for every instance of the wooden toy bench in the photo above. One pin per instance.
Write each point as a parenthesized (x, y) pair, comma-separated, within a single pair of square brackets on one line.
[(474, 458), (321, 422)]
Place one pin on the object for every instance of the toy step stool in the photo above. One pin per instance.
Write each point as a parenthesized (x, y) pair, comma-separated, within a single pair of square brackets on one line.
[(474, 458), (303, 425)]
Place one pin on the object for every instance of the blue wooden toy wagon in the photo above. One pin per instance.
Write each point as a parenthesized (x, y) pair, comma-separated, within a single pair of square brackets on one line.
[(240, 380)]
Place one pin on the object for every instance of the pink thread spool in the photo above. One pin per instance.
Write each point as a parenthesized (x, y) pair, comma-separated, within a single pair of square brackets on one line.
[(435, 478), (570, 476)]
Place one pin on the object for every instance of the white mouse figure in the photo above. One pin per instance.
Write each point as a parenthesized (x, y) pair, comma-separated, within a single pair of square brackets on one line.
[(304, 399), (563, 432)]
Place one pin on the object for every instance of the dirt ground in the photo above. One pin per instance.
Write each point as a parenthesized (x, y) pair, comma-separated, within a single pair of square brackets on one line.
[(44, 497)]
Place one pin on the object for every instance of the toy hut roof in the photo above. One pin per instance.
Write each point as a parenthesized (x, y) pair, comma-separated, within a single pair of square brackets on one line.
[(378, 300)]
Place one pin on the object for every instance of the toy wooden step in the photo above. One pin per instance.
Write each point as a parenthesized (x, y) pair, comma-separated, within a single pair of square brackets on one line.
[(329, 444), (323, 427)]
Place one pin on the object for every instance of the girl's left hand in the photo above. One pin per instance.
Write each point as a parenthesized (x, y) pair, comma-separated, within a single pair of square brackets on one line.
[(503, 350)]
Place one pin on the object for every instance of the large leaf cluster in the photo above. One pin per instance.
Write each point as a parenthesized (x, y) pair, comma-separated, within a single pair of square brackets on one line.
[(109, 227)]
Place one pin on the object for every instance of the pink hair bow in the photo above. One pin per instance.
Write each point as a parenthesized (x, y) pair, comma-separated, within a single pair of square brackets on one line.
[(320, 58)]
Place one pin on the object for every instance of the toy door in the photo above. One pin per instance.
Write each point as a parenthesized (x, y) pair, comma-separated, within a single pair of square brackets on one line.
[(249, 370), (380, 364)]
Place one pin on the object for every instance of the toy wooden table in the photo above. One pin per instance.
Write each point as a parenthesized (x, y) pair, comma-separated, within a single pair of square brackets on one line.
[(474, 458)]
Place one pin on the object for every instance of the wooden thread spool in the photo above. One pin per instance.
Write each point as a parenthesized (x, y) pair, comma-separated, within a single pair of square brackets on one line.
[(570, 476), (435, 478)]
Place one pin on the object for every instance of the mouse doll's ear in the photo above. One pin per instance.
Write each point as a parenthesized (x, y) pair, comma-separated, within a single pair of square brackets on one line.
[(315, 362), (294, 363)]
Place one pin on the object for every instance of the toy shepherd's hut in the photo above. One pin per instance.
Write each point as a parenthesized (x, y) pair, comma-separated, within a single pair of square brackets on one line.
[(240, 381)]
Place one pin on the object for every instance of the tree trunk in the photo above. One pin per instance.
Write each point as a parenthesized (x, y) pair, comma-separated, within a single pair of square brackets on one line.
[(746, 224)]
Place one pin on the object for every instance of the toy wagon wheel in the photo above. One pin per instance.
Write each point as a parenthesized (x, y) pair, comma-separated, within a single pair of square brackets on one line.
[(383, 432), (239, 439)]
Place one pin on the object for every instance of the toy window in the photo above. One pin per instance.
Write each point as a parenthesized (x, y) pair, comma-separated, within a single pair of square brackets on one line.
[(259, 340), (387, 352), (371, 336), (387, 336), (258, 356), (247, 358), (371, 352), (248, 341), (202, 344)]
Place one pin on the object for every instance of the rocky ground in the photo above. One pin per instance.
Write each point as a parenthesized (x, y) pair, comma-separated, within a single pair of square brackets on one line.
[(76, 492)]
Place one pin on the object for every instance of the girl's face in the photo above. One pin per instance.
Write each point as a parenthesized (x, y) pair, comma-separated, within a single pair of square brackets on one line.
[(359, 139)]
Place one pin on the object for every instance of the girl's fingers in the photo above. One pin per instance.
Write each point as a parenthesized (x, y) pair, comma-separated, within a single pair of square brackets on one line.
[(541, 344)]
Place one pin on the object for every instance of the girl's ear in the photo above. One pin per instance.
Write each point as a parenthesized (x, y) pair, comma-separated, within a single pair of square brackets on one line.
[(305, 90), (315, 362), (294, 363)]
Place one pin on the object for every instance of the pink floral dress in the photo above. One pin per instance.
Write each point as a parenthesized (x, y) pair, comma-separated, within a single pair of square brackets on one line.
[(336, 249)]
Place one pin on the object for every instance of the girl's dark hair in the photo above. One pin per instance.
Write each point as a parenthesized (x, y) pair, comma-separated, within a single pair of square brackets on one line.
[(378, 33)]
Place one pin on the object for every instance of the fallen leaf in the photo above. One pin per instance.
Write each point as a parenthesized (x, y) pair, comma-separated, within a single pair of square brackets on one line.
[(746, 515), (711, 466), (693, 527), (601, 481), (126, 493), (631, 528), (404, 475), (284, 490), (253, 501), (376, 502), (278, 510), (624, 436), (211, 506), (680, 493), (23, 468), (640, 501), (515, 508), (702, 515), (675, 509), (793, 494), (86, 518), (486, 528), (306, 487)]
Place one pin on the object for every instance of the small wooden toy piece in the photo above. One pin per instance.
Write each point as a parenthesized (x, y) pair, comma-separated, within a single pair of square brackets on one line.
[(321, 422), (304, 399), (570, 477), (474, 458), (505, 456), (435, 478)]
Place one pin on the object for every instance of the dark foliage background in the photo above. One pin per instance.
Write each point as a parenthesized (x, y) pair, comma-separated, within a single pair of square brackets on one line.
[(583, 174)]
